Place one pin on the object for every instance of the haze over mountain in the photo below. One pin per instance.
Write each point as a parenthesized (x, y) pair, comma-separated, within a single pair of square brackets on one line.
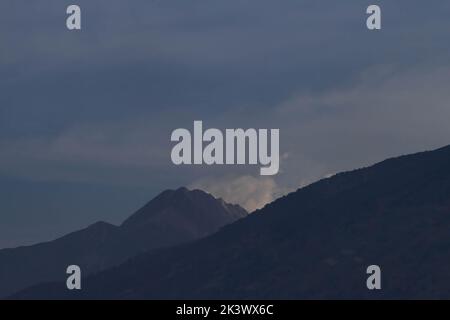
[(314, 243), (171, 218)]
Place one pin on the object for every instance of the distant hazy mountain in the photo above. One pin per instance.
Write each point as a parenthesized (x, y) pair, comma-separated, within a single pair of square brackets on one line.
[(173, 217), (314, 243)]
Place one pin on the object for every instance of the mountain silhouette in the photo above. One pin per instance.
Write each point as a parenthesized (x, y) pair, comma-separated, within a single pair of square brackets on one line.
[(171, 218), (315, 243)]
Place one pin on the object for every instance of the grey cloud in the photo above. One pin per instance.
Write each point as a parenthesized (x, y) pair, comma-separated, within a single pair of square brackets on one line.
[(97, 107)]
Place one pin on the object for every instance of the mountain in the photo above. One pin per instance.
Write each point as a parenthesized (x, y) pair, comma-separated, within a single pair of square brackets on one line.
[(179, 216), (173, 217), (315, 243)]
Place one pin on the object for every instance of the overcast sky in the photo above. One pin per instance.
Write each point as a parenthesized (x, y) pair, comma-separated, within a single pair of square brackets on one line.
[(86, 117)]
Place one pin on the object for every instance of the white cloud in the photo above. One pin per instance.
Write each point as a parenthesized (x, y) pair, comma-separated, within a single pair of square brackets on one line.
[(250, 192)]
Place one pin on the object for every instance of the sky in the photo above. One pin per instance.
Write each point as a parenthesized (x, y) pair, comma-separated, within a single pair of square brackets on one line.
[(86, 116)]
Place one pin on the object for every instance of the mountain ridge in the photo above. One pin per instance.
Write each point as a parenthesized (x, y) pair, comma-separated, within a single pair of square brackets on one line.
[(102, 245), (315, 243)]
